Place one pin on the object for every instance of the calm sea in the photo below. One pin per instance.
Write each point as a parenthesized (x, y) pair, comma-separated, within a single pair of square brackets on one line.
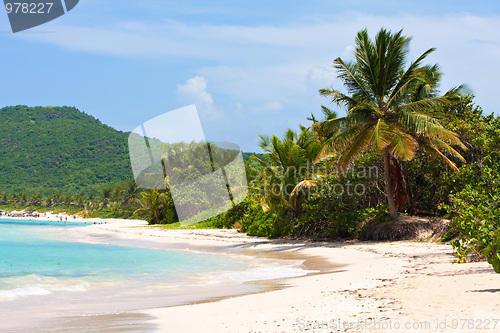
[(43, 277)]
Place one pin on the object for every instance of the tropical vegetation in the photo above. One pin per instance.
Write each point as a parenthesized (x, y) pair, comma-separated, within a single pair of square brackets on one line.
[(49, 149)]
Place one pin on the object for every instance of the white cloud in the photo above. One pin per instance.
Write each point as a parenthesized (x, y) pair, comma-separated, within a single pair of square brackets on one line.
[(172, 38), (194, 91)]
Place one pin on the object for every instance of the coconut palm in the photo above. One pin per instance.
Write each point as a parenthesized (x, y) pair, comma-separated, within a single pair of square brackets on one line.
[(390, 109), (286, 168)]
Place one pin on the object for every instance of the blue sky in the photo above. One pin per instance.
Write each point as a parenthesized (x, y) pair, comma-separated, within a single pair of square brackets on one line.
[(251, 67)]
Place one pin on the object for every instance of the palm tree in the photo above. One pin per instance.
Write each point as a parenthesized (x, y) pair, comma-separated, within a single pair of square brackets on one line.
[(324, 130), (286, 168), (390, 109), (106, 194), (36, 199), (159, 207), (129, 194)]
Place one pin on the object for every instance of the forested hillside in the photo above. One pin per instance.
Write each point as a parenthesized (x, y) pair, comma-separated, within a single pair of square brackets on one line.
[(59, 149)]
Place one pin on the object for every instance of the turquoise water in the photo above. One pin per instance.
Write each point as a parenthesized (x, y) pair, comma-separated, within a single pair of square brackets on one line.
[(32, 264), (47, 272)]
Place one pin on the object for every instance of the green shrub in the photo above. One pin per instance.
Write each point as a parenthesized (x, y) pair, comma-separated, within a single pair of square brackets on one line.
[(476, 218), (262, 224)]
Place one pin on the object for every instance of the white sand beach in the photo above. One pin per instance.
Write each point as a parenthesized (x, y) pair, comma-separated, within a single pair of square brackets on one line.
[(382, 287), (359, 286)]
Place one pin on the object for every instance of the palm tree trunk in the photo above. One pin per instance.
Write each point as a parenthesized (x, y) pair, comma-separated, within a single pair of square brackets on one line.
[(390, 188)]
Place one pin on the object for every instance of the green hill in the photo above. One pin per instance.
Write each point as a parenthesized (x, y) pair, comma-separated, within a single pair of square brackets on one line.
[(48, 149)]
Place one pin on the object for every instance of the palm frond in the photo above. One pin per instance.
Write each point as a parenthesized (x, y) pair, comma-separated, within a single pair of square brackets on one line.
[(421, 124), (408, 76), (353, 83), (366, 61), (456, 93), (339, 98), (326, 128), (421, 106), (394, 59), (443, 146), (264, 142), (299, 192), (433, 151), (418, 123), (429, 77), (264, 204), (402, 145), (363, 112), (356, 147), (327, 150), (329, 114), (381, 135), (346, 135), (258, 160)]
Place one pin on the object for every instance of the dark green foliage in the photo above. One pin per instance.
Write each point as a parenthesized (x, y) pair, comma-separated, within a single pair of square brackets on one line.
[(341, 217), (476, 211), (265, 225), (236, 215), (475, 188), (430, 183), (333, 209), (49, 149), (158, 206), (271, 224)]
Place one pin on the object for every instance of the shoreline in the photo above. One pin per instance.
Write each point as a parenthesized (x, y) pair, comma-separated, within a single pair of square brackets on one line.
[(378, 287), (71, 218)]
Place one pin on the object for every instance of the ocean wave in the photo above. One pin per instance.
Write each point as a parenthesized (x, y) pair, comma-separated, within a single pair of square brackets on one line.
[(34, 285)]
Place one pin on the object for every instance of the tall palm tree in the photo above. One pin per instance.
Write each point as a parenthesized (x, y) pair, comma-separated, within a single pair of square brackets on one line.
[(390, 109)]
